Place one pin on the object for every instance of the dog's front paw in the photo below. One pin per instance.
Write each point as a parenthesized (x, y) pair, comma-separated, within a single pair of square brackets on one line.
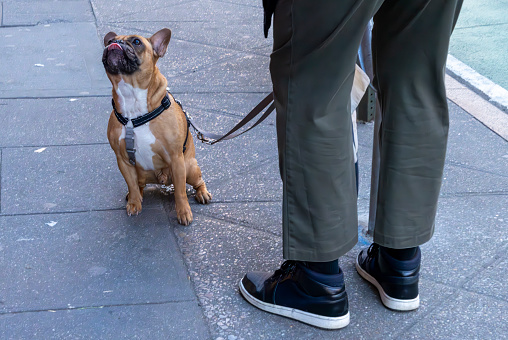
[(184, 215), (133, 208)]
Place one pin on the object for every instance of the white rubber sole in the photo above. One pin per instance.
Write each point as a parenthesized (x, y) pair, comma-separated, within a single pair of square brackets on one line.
[(388, 301), (320, 321)]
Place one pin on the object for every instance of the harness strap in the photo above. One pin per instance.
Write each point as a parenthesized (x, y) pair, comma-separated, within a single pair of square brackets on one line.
[(129, 130), (165, 104)]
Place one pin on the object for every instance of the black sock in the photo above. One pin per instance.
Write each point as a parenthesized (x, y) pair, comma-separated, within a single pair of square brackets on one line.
[(400, 254), (331, 267)]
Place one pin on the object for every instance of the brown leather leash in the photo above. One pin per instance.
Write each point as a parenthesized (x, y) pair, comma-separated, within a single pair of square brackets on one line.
[(212, 138)]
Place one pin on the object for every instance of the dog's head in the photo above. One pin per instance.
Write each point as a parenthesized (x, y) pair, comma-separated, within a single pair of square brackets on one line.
[(132, 54)]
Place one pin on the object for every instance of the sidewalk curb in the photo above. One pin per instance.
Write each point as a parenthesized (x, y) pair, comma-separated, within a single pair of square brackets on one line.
[(478, 96), (477, 106), (495, 94)]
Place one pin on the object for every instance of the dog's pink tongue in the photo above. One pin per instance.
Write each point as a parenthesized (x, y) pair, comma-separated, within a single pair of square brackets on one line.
[(114, 46)]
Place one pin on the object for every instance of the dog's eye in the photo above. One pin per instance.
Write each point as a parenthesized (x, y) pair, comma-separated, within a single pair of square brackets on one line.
[(136, 42)]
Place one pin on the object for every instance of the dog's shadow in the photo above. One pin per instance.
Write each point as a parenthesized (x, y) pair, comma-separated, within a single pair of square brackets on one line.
[(156, 194)]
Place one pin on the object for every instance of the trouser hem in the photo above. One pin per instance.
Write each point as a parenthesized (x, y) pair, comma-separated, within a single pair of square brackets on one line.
[(313, 256), (401, 242)]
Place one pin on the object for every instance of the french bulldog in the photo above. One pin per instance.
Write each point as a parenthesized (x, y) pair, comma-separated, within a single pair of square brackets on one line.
[(161, 151)]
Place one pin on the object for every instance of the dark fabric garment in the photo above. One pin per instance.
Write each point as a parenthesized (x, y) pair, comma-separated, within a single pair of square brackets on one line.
[(328, 267), (312, 69), (269, 8), (399, 254), (410, 45)]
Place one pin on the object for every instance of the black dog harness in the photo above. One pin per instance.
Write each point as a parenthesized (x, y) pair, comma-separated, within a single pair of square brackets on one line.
[(129, 130)]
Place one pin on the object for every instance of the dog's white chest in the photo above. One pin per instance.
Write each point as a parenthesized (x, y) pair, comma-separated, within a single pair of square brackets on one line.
[(133, 103)]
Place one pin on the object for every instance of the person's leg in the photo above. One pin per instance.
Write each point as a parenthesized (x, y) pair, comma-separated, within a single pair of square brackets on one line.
[(410, 46), (312, 68)]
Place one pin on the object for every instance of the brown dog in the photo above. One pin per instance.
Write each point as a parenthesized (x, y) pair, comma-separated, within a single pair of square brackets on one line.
[(163, 150)]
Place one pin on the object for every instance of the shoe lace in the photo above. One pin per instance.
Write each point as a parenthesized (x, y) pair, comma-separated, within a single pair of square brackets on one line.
[(286, 269)]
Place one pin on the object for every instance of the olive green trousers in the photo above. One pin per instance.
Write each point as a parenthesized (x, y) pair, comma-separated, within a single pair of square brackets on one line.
[(312, 67)]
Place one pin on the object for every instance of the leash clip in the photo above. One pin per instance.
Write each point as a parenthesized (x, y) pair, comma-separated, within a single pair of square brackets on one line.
[(202, 138)]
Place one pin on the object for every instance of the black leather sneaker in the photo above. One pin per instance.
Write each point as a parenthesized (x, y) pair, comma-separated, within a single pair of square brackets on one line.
[(296, 292), (396, 281)]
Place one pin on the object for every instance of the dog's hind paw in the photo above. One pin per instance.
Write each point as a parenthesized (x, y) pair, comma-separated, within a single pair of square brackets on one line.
[(203, 196)]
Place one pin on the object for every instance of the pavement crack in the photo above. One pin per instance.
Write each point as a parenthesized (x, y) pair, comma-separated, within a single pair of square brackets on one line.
[(238, 223), (473, 194), (244, 201), (93, 11), (53, 310), (1, 181), (474, 168), (476, 26), (62, 212), (54, 145), (239, 4), (19, 25), (58, 97)]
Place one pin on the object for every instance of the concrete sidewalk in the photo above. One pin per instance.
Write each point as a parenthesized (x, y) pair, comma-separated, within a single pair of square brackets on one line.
[(74, 266)]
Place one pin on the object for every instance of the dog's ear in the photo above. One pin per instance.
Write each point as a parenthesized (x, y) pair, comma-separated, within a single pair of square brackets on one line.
[(108, 38), (160, 42)]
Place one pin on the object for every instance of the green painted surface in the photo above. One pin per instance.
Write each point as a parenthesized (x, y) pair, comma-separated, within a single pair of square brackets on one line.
[(480, 39)]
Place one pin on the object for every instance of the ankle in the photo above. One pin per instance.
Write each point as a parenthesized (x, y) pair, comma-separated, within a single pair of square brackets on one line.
[(335, 279), (329, 267), (399, 254)]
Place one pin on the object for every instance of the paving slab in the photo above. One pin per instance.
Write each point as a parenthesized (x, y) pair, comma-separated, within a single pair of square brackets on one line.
[(493, 277), (176, 10), (470, 231), (237, 37), (182, 57), (98, 274), (93, 259), (467, 136), (50, 122), (175, 320), (458, 179), (241, 74), (45, 12), (52, 61), (467, 316), (61, 179)]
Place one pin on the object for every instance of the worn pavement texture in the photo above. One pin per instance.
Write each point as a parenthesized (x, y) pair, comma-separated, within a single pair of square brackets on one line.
[(74, 266)]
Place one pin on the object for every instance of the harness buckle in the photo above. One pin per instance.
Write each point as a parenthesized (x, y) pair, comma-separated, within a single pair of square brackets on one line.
[(129, 144), (132, 156), (166, 103)]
